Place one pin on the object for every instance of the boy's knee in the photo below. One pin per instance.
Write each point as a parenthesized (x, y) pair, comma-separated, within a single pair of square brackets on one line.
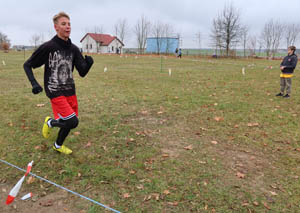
[(72, 122)]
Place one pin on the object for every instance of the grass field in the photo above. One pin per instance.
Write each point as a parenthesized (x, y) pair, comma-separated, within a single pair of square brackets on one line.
[(205, 139)]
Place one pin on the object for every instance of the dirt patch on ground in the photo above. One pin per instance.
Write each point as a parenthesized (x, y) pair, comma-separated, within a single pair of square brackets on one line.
[(173, 139), (173, 143), (248, 168), (156, 127), (252, 165), (56, 202)]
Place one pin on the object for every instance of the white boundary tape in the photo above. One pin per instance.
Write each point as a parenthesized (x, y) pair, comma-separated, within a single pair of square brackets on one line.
[(61, 187)]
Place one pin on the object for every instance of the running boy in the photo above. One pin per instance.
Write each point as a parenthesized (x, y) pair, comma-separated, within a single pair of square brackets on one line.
[(60, 57)]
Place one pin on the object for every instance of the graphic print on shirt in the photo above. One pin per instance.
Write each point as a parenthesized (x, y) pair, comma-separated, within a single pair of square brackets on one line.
[(61, 77)]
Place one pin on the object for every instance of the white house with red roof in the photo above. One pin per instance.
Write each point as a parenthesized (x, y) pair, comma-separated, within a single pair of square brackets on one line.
[(101, 43)]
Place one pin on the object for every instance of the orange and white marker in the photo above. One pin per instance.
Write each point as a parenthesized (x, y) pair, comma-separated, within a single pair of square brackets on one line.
[(14, 192)]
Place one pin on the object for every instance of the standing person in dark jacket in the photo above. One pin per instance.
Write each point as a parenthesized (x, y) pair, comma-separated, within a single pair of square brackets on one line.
[(287, 67), (60, 57), (179, 53)]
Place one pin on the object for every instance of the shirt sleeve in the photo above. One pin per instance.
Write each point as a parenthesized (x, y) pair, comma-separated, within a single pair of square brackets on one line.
[(80, 63), (38, 58)]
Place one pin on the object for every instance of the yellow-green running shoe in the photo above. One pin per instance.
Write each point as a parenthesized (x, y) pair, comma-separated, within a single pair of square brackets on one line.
[(46, 129), (63, 149)]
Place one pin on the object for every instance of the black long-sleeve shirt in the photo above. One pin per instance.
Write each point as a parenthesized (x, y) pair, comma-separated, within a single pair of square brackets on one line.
[(59, 58), (289, 62)]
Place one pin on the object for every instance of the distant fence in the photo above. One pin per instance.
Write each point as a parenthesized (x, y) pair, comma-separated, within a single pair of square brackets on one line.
[(211, 52)]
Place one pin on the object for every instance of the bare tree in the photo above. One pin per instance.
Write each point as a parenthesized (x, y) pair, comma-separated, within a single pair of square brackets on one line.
[(279, 29), (244, 34), (158, 33), (5, 46), (260, 45), (216, 37), (168, 32), (271, 36), (226, 31), (4, 40), (141, 31), (198, 40), (266, 37), (36, 40), (179, 37), (252, 44), (95, 29), (121, 29), (291, 35)]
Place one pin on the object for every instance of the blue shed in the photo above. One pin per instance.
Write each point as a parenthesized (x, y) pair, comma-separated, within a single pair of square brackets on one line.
[(162, 45)]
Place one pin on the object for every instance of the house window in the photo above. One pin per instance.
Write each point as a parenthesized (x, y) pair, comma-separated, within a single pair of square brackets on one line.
[(87, 46), (112, 48), (91, 47)]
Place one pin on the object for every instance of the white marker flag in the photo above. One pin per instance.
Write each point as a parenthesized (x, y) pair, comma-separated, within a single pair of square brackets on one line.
[(243, 71), (25, 197)]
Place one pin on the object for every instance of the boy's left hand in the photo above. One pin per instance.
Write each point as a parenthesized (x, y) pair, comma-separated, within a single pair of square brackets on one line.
[(89, 60)]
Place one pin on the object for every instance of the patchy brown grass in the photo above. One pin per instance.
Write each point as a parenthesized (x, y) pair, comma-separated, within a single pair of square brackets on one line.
[(205, 139)]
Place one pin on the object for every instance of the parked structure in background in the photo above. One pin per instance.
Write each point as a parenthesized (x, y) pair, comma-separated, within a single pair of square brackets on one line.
[(101, 43), (22, 47), (162, 45)]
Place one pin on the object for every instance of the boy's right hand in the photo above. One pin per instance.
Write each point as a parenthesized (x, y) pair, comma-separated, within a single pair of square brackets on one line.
[(36, 88)]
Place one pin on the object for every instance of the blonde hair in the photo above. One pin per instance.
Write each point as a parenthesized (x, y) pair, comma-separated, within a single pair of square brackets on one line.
[(59, 15)]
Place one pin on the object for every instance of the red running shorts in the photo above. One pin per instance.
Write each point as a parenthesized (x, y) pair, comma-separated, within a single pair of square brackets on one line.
[(64, 107)]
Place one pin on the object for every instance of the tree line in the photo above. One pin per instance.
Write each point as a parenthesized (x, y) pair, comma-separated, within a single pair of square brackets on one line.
[(226, 35), (228, 32)]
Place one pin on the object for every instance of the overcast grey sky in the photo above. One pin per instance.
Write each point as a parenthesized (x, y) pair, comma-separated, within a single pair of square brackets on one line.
[(19, 20)]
